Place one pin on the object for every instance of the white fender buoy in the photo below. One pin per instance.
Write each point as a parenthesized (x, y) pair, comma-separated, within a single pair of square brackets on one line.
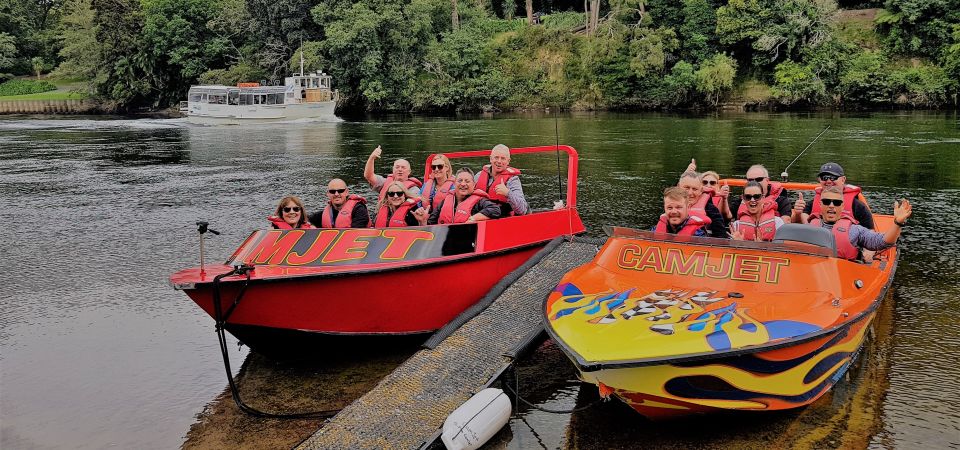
[(477, 420)]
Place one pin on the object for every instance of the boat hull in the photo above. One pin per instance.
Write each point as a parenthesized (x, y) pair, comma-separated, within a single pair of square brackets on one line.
[(785, 378), (408, 300), (208, 114)]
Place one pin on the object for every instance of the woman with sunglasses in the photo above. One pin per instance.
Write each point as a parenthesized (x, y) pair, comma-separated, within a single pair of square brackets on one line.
[(711, 184), (439, 184), (399, 208), (757, 217), (290, 214)]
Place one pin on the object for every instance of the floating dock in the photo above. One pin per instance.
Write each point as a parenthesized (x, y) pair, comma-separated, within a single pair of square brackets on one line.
[(407, 408)]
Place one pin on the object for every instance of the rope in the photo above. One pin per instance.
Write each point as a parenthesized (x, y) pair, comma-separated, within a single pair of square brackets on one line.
[(515, 392), (221, 320)]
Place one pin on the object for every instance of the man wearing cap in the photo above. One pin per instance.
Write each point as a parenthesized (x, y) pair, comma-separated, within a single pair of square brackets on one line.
[(831, 174)]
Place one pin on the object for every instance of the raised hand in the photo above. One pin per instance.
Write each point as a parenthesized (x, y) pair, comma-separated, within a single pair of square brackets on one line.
[(420, 214), (724, 190), (502, 189), (692, 167), (800, 204), (902, 210), (376, 152), (736, 234)]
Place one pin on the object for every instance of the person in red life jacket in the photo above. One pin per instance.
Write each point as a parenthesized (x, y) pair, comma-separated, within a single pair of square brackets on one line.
[(831, 174), (439, 184), (757, 219), (502, 183), (771, 190), (851, 238), (399, 208), (719, 192), (343, 209), (290, 214), (465, 204), (401, 173), (699, 203), (677, 218)]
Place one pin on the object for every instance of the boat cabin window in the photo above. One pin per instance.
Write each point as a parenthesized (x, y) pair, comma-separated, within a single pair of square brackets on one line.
[(203, 98), (194, 97), (233, 98)]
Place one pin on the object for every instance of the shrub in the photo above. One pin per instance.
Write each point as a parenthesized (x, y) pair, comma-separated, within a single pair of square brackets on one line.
[(24, 87), (796, 83)]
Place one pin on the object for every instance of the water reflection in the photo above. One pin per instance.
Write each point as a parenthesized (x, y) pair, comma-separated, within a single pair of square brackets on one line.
[(100, 212)]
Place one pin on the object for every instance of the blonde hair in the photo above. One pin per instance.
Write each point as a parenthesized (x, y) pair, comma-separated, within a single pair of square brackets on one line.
[(443, 160), (711, 173), (296, 200), (386, 189)]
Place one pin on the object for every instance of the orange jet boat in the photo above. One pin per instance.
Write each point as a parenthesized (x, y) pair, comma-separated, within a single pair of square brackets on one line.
[(674, 325)]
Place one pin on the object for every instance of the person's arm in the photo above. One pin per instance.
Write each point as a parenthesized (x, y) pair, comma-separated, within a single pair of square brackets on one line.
[(515, 196), (724, 193), (361, 216), (796, 214), (368, 173), (718, 228), (862, 214), (873, 240), (784, 205), (316, 219), (485, 210), (435, 214)]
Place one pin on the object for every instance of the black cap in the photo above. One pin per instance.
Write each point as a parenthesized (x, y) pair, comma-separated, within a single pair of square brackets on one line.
[(831, 168)]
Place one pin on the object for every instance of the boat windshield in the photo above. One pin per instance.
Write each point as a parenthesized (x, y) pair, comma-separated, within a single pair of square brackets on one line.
[(789, 246)]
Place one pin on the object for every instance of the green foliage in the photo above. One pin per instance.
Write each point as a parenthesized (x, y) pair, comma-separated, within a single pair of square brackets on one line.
[(123, 72), (78, 38), (696, 33), (8, 51), (242, 72), (715, 77), (921, 86), (774, 31), (797, 83), (24, 87), (866, 80), (920, 27), (564, 20)]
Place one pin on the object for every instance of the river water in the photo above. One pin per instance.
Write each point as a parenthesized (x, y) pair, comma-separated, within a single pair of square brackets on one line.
[(98, 351)]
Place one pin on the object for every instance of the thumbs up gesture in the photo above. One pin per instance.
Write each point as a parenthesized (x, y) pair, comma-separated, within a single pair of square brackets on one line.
[(502, 189), (800, 204), (421, 215), (692, 167), (724, 190), (376, 152)]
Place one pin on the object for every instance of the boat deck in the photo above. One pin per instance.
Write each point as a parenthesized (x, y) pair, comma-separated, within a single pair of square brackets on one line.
[(408, 407)]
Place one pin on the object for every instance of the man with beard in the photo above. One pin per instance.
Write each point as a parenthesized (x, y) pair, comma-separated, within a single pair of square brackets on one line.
[(676, 218)]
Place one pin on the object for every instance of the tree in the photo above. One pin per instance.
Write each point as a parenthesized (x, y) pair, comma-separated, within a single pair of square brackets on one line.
[(715, 77), (8, 51), (797, 83), (78, 37), (769, 32), (123, 73)]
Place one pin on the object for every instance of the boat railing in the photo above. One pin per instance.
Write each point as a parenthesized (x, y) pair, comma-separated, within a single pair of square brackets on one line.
[(184, 106)]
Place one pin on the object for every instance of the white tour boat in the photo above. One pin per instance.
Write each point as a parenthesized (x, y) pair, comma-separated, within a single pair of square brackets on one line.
[(301, 96)]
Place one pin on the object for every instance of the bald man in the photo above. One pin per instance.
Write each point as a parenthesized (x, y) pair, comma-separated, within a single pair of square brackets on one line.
[(401, 172), (343, 209), (502, 183)]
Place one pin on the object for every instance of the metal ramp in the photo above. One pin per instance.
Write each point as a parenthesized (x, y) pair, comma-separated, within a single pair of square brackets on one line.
[(408, 407)]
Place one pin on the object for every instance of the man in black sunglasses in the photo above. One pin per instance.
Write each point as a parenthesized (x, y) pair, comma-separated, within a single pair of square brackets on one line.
[(831, 174), (343, 209), (854, 240), (771, 190)]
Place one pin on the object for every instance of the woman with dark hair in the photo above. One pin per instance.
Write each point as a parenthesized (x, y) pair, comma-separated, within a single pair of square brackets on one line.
[(290, 214), (757, 217)]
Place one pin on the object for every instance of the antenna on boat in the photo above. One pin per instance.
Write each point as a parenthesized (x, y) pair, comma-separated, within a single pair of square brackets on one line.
[(203, 228), (301, 57), (785, 175)]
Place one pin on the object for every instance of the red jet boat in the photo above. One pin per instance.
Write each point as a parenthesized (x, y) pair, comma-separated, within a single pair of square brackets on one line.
[(346, 284)]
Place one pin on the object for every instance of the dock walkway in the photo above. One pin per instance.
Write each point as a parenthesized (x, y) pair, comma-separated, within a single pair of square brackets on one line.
[(408, 407)]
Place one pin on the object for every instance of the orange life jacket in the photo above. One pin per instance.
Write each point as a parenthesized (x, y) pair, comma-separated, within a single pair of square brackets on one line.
[(411, 182), (484, 184), (280, 224), (766, 228), (459, 213), (438, 194), (399, 216), (345, 216), (850, 192), (693, 223), (841, 235)]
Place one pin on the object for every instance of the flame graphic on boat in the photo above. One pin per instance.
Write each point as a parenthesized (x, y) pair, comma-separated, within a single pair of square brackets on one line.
[(666, 312)]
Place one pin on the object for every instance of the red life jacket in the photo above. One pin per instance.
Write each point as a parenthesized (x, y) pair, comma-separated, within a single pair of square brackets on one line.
[(699, 207), (841, 235), (462, 211), (345, 216), (411, 182), (693, 223), (280, 224), (399, 217), (850, 192), (483, 182), (438, 193), (773, 190), (768, 221)]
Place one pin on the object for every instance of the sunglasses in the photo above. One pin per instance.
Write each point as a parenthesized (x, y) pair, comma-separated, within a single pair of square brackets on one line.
[(757, 179), (394, 193), (831, 201), (751, 197), (829, 177), (709, 182), (336, 191), (292, 208), (437, 167)]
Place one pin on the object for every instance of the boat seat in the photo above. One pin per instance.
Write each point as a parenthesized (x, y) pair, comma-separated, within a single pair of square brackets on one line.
[(806, 234)]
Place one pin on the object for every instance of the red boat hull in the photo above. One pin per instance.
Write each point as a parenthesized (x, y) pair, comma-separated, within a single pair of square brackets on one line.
[(407, 300)]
